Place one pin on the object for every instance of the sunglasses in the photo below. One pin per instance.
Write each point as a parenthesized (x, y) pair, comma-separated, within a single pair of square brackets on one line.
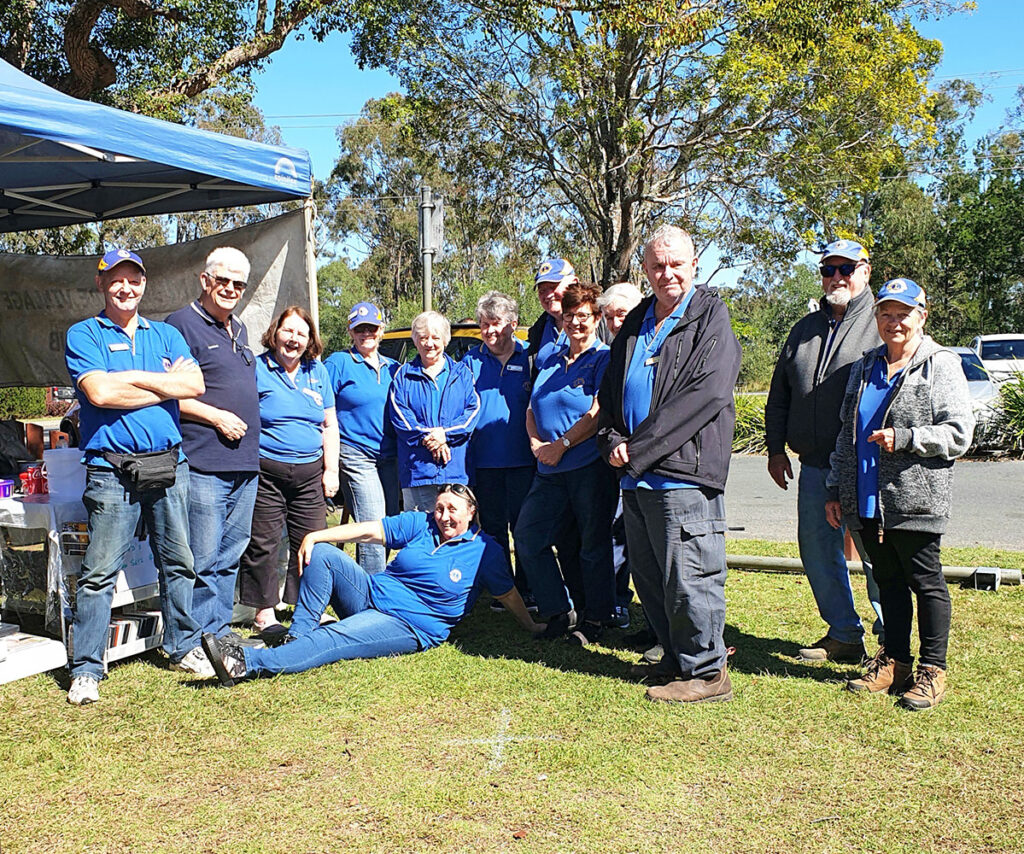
[(225, 282), (240, 348), (829, 270), (459, 489)]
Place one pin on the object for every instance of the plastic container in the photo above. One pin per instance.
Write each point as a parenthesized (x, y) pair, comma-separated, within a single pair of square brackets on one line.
[(65, 473), (6, 487)]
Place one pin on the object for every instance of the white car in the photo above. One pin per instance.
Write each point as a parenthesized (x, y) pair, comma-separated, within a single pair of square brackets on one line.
[(1002, 355)]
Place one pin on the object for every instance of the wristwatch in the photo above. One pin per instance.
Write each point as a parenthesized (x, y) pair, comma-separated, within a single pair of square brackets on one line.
[(566, 443)]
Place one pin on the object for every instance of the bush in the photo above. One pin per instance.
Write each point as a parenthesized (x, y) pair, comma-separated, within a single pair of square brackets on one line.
[(749, 435), (22, 402)]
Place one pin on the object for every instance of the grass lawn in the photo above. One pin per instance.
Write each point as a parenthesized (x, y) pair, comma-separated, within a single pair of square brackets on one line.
[(494, 742)]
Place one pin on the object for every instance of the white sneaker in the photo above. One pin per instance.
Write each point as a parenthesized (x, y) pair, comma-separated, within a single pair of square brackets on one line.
[(196, 663), (84, 690)]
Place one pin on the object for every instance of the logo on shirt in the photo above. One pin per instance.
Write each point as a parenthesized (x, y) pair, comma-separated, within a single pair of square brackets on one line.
[(578, 382), (455, 575), (317, 397)]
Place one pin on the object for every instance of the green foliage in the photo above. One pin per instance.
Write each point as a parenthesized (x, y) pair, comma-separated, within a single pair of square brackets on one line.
[(22, 402), (749, 435), (1011, 424), (763, 311), (737, 120)]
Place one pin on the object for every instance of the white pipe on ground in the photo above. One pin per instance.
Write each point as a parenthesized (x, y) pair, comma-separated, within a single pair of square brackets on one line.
[(761, 563)]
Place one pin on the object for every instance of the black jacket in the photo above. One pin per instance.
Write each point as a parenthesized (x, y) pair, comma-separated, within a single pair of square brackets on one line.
[(808, 386), (533, 336), (688, 433)]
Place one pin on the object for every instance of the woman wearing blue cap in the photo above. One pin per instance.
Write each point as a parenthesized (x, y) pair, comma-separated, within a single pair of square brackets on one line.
[(361, 377), (906, 417)]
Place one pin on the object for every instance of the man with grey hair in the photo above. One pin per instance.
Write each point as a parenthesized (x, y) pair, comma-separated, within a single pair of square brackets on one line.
[(501, 462), (666, 423), (220, 435), (802, 411)]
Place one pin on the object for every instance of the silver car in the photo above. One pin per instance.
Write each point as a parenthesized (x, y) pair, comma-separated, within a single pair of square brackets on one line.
[(984, 393)]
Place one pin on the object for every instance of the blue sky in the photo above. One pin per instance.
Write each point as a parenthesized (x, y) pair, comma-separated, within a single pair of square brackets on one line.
[(310, 88)]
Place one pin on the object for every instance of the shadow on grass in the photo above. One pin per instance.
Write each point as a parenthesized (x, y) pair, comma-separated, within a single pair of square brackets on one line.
[(497, 636)]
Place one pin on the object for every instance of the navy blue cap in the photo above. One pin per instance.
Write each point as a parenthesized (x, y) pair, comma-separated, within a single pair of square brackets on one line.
[(116, 256), (365, 312)]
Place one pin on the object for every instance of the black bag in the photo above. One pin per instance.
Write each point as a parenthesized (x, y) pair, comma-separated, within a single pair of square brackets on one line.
[(155, 470)]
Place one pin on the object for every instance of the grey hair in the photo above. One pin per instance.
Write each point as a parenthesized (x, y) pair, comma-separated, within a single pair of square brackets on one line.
[(666, 235), (229, 257), (625, 291), (426, 320), (497, 305)]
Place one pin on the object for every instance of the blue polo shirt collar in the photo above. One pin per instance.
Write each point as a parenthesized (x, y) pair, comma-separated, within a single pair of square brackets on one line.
[(467, 537), (107, 322)]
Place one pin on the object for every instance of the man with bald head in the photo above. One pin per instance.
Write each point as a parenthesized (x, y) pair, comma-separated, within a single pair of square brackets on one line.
[(666, 424)]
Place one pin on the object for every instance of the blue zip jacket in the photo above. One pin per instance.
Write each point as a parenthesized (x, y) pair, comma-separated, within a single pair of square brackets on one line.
[(414, 397)]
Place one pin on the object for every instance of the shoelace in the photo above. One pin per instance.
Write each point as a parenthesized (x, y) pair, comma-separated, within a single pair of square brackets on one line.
[(923, 680)]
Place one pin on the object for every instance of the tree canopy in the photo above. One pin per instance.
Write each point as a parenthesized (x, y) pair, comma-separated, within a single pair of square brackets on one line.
[(746, 120)]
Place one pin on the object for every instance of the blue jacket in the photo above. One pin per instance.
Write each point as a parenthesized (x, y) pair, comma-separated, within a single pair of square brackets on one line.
[(415, 396)]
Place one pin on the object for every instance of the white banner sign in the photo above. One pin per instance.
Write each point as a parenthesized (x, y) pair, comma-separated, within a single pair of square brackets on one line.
[(41, 296)]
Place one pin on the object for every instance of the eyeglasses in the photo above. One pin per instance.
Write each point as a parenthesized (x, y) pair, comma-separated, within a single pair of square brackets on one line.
[(225, 282), (829, 270), (578, 317)]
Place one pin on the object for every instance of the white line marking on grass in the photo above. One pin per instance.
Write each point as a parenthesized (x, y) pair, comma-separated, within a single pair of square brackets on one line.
[(501, 739)]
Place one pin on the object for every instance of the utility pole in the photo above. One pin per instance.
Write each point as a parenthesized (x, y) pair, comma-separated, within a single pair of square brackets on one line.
[(426, 249)]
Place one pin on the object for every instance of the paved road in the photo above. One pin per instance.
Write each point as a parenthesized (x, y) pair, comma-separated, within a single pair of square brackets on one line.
[(988, 504)]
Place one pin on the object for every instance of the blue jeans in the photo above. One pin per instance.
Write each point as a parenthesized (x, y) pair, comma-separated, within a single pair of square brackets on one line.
[(370, 489), (114, 510), (588, 495), (219, 521), (333, 578), (501, 493), (677, 555), (821, 551)]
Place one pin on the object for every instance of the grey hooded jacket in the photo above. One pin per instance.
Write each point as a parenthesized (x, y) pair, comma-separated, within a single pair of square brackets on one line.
[(932, 416)]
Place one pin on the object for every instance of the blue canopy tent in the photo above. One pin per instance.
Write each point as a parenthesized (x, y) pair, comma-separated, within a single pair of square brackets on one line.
[(65, 161)]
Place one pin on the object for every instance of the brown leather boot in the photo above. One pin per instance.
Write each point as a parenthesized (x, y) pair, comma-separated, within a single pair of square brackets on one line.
[(927, 691), (712, 689), (829, 649), (883, 674)]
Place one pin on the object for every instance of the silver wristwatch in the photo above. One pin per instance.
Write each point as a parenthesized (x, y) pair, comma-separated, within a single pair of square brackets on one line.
[(566, 443)]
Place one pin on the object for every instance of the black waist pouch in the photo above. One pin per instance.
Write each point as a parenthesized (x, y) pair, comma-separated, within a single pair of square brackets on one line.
[(155, 470)]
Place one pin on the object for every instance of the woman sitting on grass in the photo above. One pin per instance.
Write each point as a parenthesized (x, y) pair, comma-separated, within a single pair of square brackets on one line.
[(414, 604)]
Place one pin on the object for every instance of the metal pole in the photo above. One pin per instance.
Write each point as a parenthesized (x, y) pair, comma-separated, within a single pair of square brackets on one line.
[(426, 250), (793, 565)]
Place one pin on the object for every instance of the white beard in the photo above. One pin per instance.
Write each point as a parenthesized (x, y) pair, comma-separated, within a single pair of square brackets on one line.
[(840, 297)]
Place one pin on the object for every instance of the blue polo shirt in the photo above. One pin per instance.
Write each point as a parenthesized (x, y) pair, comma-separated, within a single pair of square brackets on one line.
[(551, 338), (874, 400), (229, 370), (500, 439), (292, 413), (99, 344), (638, 387), (561, 395), (430, 584), (360, 396)]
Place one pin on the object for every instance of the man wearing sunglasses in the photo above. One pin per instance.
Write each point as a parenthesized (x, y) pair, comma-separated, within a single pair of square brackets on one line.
[(803, 411), (220, 434)]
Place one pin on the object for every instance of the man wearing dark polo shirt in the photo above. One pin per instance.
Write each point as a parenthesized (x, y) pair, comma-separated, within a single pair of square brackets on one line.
[(220, 434)]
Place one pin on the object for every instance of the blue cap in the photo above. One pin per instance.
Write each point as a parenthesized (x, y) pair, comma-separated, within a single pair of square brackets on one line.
[(554, 270), (845, 249), (365, 312), (902, 290), (116, 256)]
